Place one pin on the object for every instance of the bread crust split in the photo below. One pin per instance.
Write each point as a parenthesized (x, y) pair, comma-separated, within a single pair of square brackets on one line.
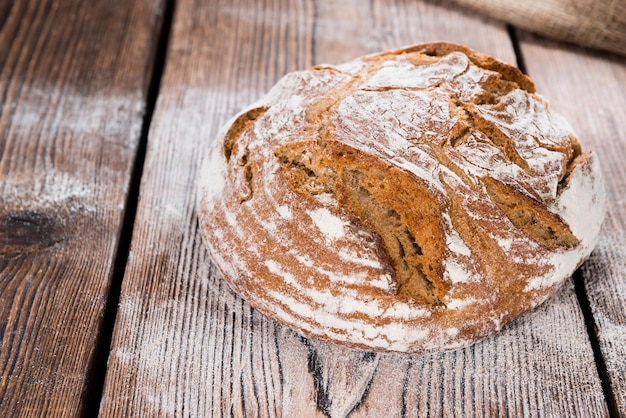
[(412, 200)]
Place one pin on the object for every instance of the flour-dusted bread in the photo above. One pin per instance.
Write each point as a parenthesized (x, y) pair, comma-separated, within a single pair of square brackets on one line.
[(412, 200)]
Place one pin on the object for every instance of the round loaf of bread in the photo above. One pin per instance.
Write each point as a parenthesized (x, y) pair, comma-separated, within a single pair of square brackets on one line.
[(413, 200)]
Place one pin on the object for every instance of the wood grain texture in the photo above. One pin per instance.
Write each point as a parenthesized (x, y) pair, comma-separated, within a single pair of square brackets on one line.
[(184, 344), (590, 90), (73, 81)]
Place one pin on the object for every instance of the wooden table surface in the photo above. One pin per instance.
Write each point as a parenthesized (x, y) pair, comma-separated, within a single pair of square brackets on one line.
[(109, 303)]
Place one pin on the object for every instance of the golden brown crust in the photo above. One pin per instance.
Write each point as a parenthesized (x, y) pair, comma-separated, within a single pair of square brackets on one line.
[(412, 200)]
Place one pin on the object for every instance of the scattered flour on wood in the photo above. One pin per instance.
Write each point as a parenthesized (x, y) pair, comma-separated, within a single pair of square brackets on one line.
[(50, 190)]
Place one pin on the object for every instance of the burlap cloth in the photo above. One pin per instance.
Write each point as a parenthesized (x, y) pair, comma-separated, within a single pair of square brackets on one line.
[(598, 24)]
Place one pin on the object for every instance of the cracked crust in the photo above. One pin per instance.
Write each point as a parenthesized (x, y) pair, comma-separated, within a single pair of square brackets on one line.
[(413, 200)]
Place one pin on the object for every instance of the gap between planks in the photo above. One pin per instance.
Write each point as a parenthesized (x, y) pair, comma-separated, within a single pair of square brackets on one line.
[(603, 373), (98, 368)]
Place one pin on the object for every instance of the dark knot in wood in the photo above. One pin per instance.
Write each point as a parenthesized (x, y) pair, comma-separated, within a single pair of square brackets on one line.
[(24, 231)]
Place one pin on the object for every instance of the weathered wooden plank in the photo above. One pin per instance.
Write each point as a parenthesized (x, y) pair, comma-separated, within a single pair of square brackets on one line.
[(73, 83), (590, 89), (185, 344)]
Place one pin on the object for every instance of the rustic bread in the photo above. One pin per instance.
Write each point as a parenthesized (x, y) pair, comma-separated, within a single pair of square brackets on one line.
[(412, 200)]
